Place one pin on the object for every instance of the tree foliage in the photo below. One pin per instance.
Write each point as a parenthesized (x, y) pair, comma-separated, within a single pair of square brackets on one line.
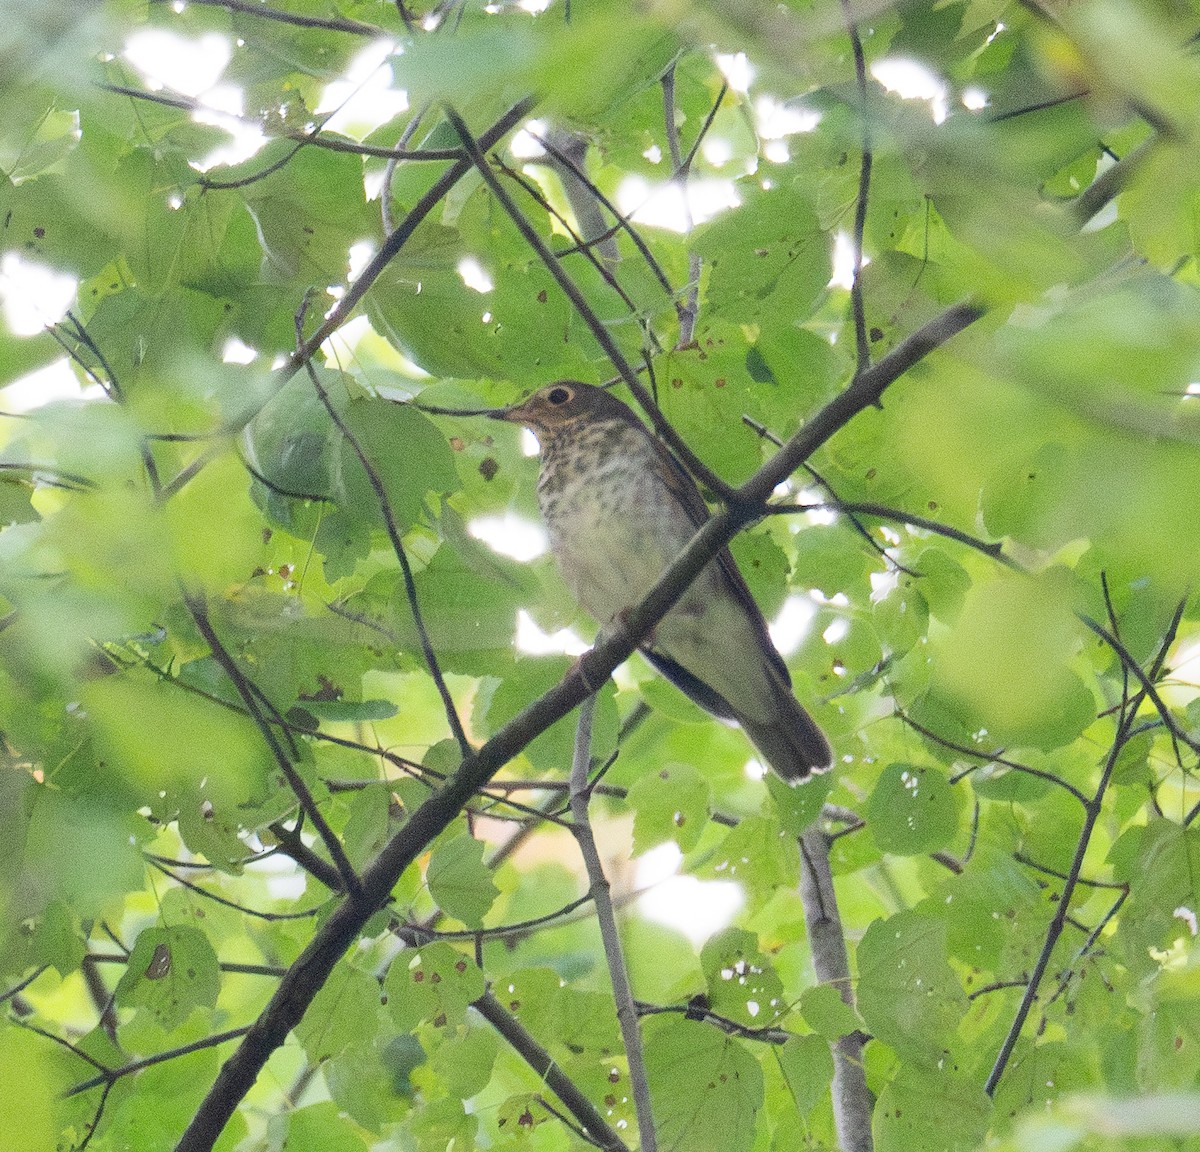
[(285, 804)]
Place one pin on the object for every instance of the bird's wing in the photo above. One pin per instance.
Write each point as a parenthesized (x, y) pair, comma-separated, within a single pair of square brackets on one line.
[(681, 485)]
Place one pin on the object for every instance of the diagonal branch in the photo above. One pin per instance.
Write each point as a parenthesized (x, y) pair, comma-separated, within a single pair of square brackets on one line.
[(199, 613)]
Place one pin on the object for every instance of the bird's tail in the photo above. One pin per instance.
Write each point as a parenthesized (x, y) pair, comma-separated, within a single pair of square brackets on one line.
[(792, 743)]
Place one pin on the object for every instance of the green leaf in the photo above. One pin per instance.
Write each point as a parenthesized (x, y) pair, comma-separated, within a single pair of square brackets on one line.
[(827, 1013), (913, 809), (433, 983), (459, 881), (742, 983), (758, 854), (1017, 632), (670, 804), (926, 1108), (706, 1086), (807, 1065), (344, 1013), (170, 972), (318, 1128), (906, 992)]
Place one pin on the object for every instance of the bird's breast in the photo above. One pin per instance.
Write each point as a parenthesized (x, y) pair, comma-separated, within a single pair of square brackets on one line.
[(614, 526)]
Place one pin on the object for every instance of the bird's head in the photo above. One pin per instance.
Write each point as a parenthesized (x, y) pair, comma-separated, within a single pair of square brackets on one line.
[(563, 405)]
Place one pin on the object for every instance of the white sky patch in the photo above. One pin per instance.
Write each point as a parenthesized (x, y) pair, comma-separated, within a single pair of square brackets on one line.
[(524, 146), (662, 205), (235, 352), (364, 98), (284, 880), (1188, 917), (533, 7), (882, 583), (473, 274), (695, 908), (55, 381), (168, 60), (789, 628), (340, 348), (360, 255), (33, 296), (913, 81), (716, 151), (777, 119), (533, 641), (510, 535), (974, 99), (777, 152), (737, 70), (529, 443), (843, 262)]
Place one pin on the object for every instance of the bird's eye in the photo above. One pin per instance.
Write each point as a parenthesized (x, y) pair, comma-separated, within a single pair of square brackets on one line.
[(559, 395)]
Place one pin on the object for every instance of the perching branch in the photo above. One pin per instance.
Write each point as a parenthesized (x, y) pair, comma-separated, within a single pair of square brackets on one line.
[(310, 971), (627, 1016)]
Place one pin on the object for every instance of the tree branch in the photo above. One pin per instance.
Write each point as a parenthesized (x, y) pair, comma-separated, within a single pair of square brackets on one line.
[(861, 347), (852, 1101), (627, 1016)]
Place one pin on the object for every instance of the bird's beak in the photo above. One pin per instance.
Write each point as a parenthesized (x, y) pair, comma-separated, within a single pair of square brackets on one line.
[(514, 413)]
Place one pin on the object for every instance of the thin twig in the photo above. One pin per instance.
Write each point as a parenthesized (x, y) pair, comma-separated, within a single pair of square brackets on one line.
[(109, 1075), (689, 308), (198, 610), (410, 586), (692, 462), (862, 348), (601, 893), (329, 23)]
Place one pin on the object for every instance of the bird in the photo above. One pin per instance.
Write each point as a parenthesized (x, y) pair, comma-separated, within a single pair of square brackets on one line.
[(618, 508)]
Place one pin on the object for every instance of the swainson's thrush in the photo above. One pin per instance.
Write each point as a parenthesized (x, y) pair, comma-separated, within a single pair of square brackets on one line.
[(619, 508)]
